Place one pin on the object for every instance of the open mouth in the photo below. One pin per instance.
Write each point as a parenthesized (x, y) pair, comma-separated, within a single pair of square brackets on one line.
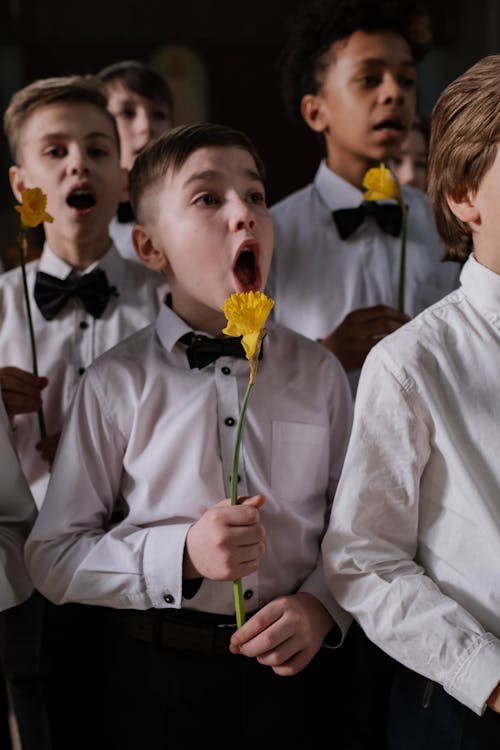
[(245, 269), (82, 200), (389, 125)]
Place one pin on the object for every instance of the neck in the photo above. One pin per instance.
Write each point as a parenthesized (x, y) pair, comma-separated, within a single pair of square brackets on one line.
[(79, 254), (351, 170)]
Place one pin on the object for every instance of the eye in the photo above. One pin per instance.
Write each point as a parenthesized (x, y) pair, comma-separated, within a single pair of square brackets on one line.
[(207, 199), (406, 82), (55, 152), (160, 114), (258, 198), (128, 113), (370, 80), (96, 151)]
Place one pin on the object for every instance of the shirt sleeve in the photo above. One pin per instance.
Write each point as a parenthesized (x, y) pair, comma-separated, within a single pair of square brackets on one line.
[(78, 551), (17, 514), (371, 547)]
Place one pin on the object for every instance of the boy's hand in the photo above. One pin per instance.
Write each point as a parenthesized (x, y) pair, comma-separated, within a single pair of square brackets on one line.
[(359, 331), (21, 390), (227, 542), (285, 634), (47, 448), (493, 701)]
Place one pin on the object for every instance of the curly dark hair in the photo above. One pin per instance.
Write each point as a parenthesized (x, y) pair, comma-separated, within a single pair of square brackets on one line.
[(319, 23)]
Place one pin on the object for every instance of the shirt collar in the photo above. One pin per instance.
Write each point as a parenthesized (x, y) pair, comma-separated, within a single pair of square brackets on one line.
[(337, 192), (170, 327), (111, 262), (482, 288)]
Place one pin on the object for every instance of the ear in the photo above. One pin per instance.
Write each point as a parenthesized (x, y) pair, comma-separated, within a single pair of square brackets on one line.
[(153, 258), (17, 181), (464, 208), (311, 107), (124, 188)]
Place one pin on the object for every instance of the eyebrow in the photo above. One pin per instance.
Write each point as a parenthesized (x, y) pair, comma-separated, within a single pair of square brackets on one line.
[(410, 63), (88, 136), (211, 174)]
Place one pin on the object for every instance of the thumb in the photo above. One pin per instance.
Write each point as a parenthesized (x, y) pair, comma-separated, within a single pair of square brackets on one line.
[(255, 500)]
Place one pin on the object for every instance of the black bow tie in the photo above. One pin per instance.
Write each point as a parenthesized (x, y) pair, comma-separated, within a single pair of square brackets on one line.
[(201, 350), (51, 293), (387, 215)]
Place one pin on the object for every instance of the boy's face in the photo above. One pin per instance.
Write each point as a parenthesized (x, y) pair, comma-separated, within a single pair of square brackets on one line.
[(139, 120), (207, 226), (409, 164), (366, 102), (69, 150)]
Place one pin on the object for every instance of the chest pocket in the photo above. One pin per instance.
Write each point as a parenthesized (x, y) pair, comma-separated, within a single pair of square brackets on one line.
[(299, 460)]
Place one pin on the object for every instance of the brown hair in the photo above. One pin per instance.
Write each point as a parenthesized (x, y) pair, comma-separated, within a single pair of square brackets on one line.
[(172, 149), (141, 79), (79, 89), (465, 130)]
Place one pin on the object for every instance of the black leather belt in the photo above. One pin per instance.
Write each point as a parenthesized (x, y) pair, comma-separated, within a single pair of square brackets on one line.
[(179, 629)]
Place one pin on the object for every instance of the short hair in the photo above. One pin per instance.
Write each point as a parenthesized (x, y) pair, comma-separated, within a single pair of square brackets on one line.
[(77, 89), (172, 149), (465, 131), (320, 23), (139, 78)]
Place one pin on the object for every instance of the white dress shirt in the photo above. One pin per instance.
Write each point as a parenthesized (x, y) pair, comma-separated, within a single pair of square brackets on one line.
[(147, 429), (17, 513), (121, 234), (317, 278), (414, 541), (68, 344)]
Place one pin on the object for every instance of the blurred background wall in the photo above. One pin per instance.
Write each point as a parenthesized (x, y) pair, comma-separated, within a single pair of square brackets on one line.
[(220, 59)]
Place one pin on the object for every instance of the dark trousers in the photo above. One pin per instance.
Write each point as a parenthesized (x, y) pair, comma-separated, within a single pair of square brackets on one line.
[(445, 724), (166, 695), (52, 656)]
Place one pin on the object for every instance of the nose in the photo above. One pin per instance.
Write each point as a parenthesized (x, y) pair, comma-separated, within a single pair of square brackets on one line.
[(77, 161), (391, 90), (142, 123), (241, 215)]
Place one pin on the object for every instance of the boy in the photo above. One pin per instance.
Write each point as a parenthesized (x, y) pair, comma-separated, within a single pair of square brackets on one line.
[(142, 103), (415, 534), (64, 141), (162, 576), (410, 163), (349, 74)]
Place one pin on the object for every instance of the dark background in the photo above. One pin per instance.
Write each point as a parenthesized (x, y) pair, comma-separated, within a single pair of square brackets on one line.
[(236, 46)]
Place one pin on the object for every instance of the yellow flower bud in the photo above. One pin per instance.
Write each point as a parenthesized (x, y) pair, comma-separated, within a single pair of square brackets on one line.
[(246, 314), (379, 185)]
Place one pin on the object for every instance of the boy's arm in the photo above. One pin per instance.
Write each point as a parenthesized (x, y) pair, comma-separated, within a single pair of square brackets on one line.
[(17, 514), (373, 540)]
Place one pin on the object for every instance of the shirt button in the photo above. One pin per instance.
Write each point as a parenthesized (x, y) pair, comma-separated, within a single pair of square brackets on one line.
[(81, 370), (248, 594), (84, 325), (226, 370), (168, 599), (229, 421)]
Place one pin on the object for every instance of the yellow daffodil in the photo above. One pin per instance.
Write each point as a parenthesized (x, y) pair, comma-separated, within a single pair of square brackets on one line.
[(246, 314), (32, 213), (380, 184), (32, 208)]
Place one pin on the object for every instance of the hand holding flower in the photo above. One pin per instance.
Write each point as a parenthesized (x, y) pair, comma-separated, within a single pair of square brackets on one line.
[(32, 213), (246, 313)]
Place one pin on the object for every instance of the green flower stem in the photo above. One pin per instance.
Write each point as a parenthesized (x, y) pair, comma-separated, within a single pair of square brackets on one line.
[(237, 587), (22, 251), (402, 262)]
